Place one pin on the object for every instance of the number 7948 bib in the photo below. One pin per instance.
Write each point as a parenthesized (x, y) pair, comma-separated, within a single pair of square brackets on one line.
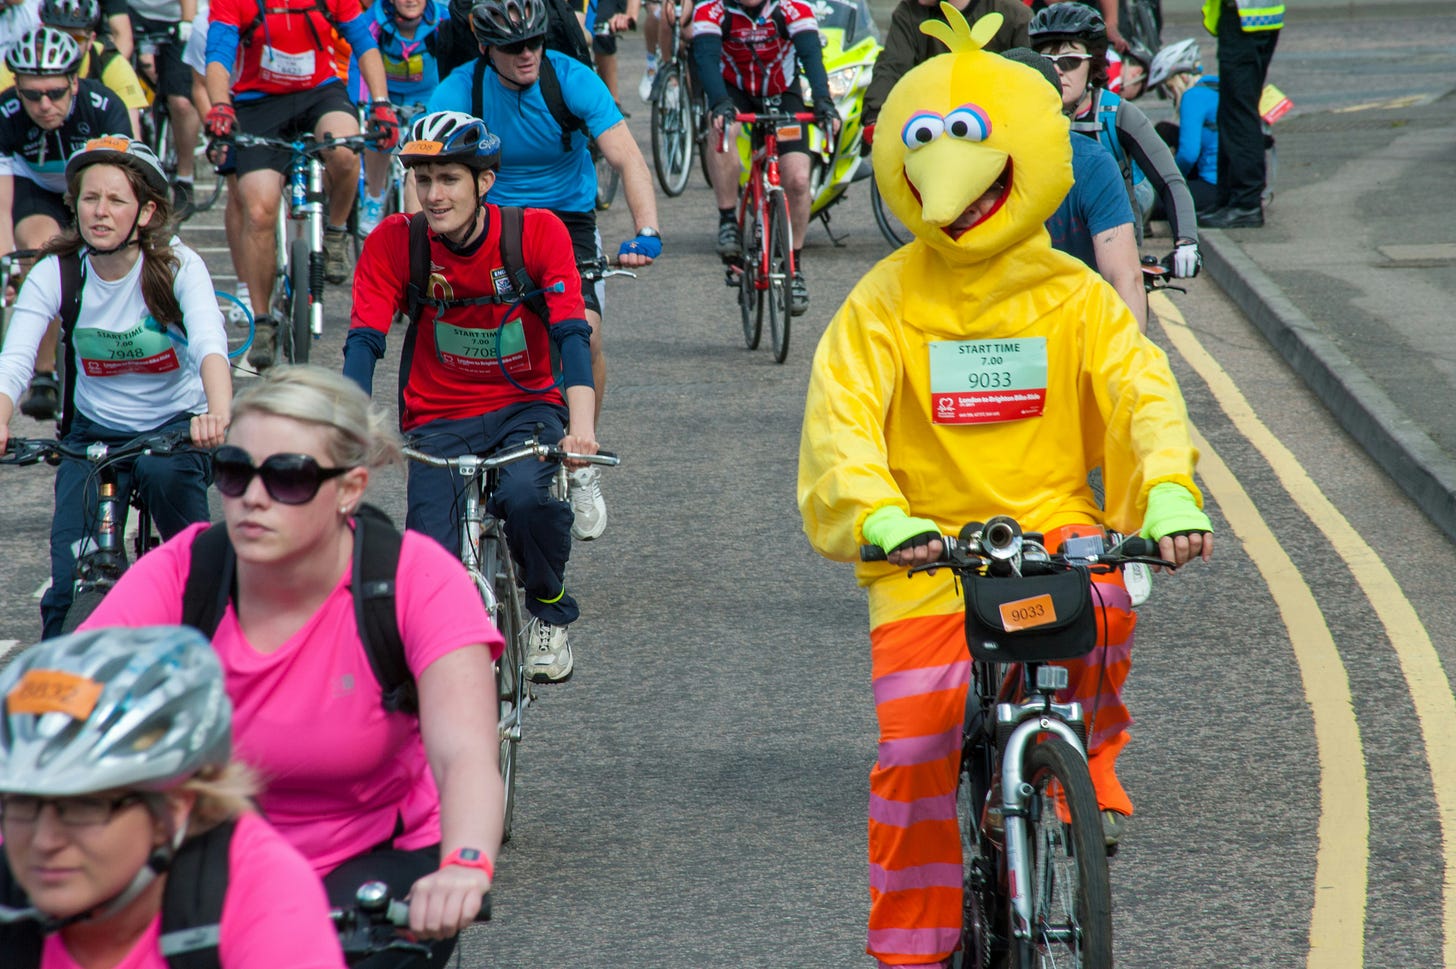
[(987, 381)]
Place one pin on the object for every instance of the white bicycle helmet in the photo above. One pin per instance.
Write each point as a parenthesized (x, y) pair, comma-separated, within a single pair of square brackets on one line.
[(112, 709), (451, 136), (44, 51), (1179, 58), (120, 150)]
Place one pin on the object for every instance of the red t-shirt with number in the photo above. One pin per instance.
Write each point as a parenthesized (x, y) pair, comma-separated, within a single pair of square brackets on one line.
[(288, 49)]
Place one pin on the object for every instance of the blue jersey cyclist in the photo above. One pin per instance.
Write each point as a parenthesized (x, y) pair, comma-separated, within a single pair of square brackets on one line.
[(545, 106), (405, 31), (1178, 69), (457, 399)]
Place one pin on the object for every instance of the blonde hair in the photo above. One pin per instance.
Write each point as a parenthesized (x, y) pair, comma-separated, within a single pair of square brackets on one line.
[(1179, 83), (360, 433), (221, 794)]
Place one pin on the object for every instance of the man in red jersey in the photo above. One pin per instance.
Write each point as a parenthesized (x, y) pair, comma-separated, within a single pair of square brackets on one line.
[(476, 372)]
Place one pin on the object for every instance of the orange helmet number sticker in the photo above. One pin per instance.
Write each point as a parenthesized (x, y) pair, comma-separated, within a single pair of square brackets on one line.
[(422, 148), (113, 142), (53, 691)]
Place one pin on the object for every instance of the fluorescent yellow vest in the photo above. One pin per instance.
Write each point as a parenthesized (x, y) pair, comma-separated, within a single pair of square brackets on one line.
[(1253, 15)]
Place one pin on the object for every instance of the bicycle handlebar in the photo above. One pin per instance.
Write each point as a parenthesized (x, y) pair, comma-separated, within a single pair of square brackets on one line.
[(530, 449), (765, 118), (602, 268), (306, 145), (1157, 272), (373, 910), (1002, 540), (27, 451)]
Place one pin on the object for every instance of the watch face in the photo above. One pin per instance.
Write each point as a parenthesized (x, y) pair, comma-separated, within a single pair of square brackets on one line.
[(469, 854), (649, 232)]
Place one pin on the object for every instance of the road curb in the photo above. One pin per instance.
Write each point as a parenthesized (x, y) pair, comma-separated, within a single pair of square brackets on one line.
[(1387, 434)]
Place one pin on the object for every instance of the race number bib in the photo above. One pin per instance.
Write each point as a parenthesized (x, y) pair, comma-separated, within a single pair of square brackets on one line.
[(481, 353), (987, 381), (289, 68), (141, 349)]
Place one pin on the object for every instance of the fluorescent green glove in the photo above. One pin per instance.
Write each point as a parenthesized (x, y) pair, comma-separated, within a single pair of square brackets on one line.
[(889, 528), (1172, 509)]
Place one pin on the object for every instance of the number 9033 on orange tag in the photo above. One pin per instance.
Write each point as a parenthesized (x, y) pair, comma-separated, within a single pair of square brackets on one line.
[(1028, 613)]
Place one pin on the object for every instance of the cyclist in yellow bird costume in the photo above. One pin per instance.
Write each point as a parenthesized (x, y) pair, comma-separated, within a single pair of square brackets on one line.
[(972, 373)]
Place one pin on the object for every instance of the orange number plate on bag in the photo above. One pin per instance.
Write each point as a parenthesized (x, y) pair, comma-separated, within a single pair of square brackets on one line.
[(1028, 613)]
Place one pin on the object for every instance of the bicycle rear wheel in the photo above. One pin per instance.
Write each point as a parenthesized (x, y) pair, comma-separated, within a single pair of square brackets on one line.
[(672, 131), (890, 227), (299, 338), (607, 180), (780, 273), (1071, 895), (750, 297)]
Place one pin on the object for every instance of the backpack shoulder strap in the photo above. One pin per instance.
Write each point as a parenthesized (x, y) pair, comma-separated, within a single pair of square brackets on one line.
[(513, 257), (556, 103), (419, 267), (197, 884), (376, 564), (209, 583), (477, 82), (20, 941), (72, 282)]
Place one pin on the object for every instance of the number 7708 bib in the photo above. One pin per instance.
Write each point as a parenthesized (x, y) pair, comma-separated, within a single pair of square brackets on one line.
[(987, 381)]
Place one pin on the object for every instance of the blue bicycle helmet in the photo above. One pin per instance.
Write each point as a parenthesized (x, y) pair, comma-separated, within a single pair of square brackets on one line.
[(451, 136)]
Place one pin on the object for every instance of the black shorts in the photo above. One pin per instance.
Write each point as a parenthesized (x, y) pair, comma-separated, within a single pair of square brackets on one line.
[(606, 10), (285, 116), (790, 102), (174, 78), (586, 242), (30, 199)]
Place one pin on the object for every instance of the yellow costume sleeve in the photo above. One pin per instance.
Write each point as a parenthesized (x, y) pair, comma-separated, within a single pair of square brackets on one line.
[(121, 79)]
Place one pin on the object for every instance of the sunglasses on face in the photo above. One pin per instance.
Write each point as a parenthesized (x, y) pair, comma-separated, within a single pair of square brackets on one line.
[(55, 94), (521, 46), (73, 812), (1067, 63), (290, 479)]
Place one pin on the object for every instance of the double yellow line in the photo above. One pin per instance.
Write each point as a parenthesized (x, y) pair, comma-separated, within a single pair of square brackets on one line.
[(1337, 923)]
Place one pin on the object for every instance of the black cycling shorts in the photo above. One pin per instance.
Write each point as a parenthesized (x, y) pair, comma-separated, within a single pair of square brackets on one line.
[(790, 102), (586, 243), (606, 10), (174, 78), (286, 116), (30, 199)]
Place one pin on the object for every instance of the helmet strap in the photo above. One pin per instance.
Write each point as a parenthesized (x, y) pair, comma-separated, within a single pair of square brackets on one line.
[(157, 864)]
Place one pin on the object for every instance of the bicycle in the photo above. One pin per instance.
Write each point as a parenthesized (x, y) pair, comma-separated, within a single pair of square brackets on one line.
[(395, 194), (764, 271), (370, 926), (487, 558), (156, 119), (13, 267), (678, 115), (103, 559), (300, 263), (1034, 856), (890, 227)]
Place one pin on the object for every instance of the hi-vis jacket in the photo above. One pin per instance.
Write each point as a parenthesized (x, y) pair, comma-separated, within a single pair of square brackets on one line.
[(1253, 15)]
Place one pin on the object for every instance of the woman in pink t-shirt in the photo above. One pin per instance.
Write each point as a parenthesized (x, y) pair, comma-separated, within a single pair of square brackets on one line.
[(115, 778), (365, 794)]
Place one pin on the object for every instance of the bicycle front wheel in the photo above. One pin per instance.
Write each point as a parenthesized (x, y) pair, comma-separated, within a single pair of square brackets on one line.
[(510, 685), (672, 132), (750, 297), (1071, 895), (299, 336), (82, 606), (780, 273)]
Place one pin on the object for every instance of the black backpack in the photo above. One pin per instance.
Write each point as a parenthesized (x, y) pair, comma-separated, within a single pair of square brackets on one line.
[(197, 882), (550, 93), (211, 585)]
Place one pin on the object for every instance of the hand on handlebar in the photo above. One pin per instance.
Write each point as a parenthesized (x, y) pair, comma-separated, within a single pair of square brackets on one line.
[(221, 120), (445, 902), (1186, 260), (723, 113), (383, 125), (919, 549), (209, 430), (639, 251), (826, 116), (1183, 547), (578, 444)]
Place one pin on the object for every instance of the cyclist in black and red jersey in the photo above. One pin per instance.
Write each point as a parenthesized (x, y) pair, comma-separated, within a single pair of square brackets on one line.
[(287, 86), (749, 55)]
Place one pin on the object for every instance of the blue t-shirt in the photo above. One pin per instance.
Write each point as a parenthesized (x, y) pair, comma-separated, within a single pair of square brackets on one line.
[(1197, 153), (534, 170), (1096, 203), (410, 70)]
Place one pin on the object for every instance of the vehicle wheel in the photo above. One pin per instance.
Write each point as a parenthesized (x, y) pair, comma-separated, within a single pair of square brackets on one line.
[(82, 606), (1071, 896), (780, 273), (750, 297), (982, 900), (509, 679), (890, 227), (607, 179), (672, 132), (299, 338)]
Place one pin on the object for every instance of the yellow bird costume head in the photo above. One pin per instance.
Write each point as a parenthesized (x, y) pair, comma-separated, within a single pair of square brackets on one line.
[(961, 123)]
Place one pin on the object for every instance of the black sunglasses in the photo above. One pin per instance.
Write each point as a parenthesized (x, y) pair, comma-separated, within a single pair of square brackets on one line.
[(290, 479), (56, 94), (521, 46), (1067, 63)]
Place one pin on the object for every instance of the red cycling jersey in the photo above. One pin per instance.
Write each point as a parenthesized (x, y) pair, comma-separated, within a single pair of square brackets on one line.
[(290, 45), (460, 359), (758, 47)]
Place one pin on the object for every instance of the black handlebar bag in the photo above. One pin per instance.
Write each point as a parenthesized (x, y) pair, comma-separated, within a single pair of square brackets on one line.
[(1029, 619)]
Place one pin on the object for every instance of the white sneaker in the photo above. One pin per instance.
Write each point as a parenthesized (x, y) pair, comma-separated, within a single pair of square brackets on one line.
[(235, 313), (587, 504), (548, 654), (649, 76), (371, 212)]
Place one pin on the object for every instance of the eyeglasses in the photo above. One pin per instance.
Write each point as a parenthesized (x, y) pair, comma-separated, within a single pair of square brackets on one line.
[(73, 812), (291, 479), (521, 46), (1067, 63), (55, 94)]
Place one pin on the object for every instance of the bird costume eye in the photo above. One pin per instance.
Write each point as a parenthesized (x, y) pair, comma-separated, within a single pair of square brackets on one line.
[(922, 129), (969, 123)]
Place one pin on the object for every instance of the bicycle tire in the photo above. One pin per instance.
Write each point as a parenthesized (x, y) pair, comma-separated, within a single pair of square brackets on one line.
[(82, 606), (299, 337), (1071, 894), (779, 246), (983, 900), (750, 297), (510, 685), (607, 180), (895, 234), (672, 132)]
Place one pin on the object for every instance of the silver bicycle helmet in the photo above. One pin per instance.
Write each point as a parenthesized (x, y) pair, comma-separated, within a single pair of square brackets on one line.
[(1179, 58), (497, 22), (124, 151), (451, 136), (112, 709), (71, 14), (43, 51)]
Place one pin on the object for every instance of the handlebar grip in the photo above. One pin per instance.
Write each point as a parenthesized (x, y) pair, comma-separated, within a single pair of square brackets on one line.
[(1135, 546), (872, 553)]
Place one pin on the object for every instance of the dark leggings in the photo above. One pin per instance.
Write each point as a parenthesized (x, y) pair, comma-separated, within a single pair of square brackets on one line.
[(399, 870)]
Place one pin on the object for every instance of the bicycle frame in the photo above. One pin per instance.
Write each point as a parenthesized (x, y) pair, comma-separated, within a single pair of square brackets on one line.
[(306, 205), (763, 180)]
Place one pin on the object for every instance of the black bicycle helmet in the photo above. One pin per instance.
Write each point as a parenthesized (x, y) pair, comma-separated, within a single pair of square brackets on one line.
[(497, 22), (44, 51), (71, 14), (124, 151), (1066, 21), (451, 136)]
